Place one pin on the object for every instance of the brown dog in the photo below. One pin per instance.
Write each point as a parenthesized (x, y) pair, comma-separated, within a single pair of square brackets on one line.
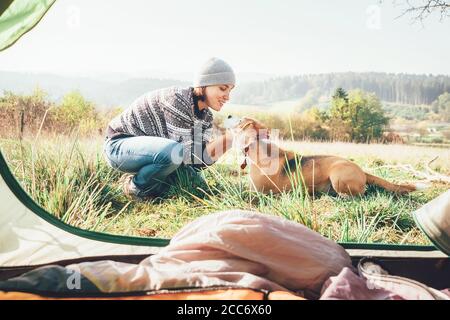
[(276, 170)]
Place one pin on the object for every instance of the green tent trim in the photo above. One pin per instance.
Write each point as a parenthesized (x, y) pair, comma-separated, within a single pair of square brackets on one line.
[(23, 196), (17, 17)]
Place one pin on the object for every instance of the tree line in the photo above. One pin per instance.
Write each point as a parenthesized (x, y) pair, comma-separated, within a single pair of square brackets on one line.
[(397, 88), (353, 115)]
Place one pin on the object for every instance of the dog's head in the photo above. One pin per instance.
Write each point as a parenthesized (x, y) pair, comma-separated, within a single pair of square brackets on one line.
[(249, 130), (246, 132)]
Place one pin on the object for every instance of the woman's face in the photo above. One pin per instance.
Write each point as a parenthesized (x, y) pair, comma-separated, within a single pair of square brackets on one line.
[(217, 96)]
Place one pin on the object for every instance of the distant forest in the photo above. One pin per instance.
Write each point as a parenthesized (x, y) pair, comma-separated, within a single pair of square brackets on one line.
[(396, 88), (308, 90)]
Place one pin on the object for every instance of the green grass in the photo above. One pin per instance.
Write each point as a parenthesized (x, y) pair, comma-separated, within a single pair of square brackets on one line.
[(72, 181)]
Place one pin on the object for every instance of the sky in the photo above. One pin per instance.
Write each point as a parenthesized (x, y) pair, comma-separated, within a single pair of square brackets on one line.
[(87, 37)]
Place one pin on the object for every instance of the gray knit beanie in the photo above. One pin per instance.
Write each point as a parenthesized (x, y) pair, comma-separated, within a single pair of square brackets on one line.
[(214, 72)]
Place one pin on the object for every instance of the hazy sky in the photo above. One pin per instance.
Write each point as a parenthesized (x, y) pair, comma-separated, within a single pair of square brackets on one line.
[(264, 36)]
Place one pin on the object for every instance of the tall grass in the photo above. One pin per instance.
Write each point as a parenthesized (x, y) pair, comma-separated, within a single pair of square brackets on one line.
[(72, 184), (70, 179)]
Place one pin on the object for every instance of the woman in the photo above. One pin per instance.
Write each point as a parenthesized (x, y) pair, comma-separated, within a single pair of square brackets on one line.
[(168, 128)]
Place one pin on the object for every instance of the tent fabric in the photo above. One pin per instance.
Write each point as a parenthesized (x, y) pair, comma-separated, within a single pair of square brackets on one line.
[(27, 239), (434, 220), (19, 17)]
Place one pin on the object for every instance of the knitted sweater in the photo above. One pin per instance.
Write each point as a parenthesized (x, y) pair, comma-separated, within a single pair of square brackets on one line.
[(168, 113)]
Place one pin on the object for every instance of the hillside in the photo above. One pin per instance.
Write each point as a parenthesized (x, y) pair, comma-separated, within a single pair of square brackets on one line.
[(304, 90)]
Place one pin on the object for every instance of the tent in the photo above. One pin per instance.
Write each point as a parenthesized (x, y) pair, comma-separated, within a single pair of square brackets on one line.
[(30, 237)]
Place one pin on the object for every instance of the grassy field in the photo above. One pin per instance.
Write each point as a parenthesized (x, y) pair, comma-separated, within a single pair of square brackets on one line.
[(71, 180)]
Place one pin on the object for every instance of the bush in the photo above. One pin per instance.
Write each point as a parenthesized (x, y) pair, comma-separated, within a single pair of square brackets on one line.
[(74, 112), (23, 114)]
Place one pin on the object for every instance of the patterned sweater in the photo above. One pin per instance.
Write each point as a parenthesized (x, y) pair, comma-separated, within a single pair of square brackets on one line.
[(168, 113)]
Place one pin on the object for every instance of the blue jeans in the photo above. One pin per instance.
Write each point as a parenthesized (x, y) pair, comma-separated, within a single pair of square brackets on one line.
[(153, 160)]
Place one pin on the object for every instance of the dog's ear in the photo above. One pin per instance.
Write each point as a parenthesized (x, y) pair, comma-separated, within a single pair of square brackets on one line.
[(258, 125)]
